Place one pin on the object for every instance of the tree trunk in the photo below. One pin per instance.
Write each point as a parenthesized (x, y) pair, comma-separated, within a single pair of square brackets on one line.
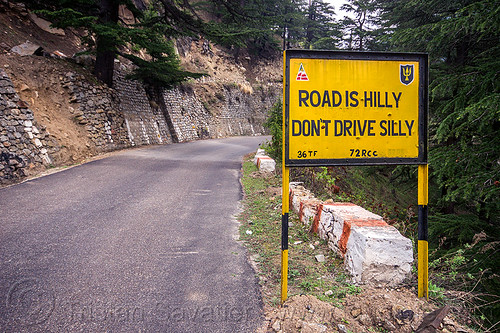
[(105, 49)]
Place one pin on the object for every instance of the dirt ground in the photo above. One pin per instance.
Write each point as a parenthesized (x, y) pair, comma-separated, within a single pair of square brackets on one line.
[(373, 310), (38, 82)]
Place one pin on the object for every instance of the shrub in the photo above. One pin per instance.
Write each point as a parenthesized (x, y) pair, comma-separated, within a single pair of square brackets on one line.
[(274, 123)]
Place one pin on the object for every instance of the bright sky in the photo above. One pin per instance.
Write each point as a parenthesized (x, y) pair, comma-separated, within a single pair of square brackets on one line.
[(337, 4)]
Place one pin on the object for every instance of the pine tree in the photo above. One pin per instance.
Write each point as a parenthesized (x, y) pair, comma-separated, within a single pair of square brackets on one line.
[(462, 39), (107, 37), (321, 31), (362, 30)]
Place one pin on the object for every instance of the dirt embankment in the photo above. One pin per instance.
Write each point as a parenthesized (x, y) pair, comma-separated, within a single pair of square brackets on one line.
[(373, 310), (38, 82)]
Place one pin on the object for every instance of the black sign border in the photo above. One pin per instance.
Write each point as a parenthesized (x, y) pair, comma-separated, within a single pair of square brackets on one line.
[(421, 58)]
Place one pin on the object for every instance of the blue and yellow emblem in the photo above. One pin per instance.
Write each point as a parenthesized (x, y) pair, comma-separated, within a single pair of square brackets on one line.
[(406, 74)]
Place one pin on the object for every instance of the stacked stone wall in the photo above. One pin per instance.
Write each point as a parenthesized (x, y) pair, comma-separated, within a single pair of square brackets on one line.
[(128, 115), (236, 113), (244, 113), (190, 119), (24, 144), (145, 121), (97, 108)]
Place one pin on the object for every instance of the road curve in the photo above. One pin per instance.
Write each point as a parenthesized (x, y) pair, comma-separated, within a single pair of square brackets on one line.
[(142, 241)]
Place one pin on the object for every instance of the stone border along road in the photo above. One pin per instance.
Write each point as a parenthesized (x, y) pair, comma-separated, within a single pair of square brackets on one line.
[(373, 251)]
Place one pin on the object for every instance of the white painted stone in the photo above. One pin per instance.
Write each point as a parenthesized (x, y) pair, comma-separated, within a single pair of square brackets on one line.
[(308, 212), (320, 258), (266, 164), (28, 123), (46, 159), (333, 216), (38, 143), (375, 252), (35, 130), (378, 254), (299, 194), (260, 153)]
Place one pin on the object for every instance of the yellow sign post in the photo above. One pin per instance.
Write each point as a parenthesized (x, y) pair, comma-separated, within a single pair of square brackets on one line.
[(356, 108)]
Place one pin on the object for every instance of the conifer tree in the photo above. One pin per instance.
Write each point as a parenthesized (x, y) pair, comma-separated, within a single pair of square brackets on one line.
[(361, 28), (107, 36), (321, 31), (462, 38)]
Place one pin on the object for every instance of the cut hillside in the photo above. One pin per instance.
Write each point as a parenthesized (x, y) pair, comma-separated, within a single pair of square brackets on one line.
[(38, 82), (39, 79)]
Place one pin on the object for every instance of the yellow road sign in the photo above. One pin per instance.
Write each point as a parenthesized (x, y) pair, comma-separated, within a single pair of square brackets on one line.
[(344, 108)]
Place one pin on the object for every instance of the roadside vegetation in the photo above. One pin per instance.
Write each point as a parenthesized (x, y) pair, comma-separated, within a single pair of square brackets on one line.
[(464, 256), (261, 231)]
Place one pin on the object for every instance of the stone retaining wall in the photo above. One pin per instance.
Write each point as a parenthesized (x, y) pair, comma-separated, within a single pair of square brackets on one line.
[(144, 122), (241, 113), (23, 143), (190, 119), (127, 115), (97, 107)]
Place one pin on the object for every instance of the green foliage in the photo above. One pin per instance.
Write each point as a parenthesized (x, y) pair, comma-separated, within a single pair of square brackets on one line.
[(473, 268), (361, 28), (310, 25), (452, 230), (274, 123), (435, 292), (462, 39), (242, 24), (149, 34), (164, 67), (325, 176), (321, 31)]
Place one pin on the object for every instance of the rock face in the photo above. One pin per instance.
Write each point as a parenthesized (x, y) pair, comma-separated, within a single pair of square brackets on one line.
[(97, 108), (45, 25), (24, 145), (373, 251)]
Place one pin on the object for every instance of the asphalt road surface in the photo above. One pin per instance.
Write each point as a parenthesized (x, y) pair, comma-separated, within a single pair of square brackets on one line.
[(142, 241)]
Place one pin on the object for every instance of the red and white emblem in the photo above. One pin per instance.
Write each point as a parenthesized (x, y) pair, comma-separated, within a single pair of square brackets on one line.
[(301, 75)]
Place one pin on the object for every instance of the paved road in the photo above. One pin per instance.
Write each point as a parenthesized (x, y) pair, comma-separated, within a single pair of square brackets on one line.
[(142, 241)]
